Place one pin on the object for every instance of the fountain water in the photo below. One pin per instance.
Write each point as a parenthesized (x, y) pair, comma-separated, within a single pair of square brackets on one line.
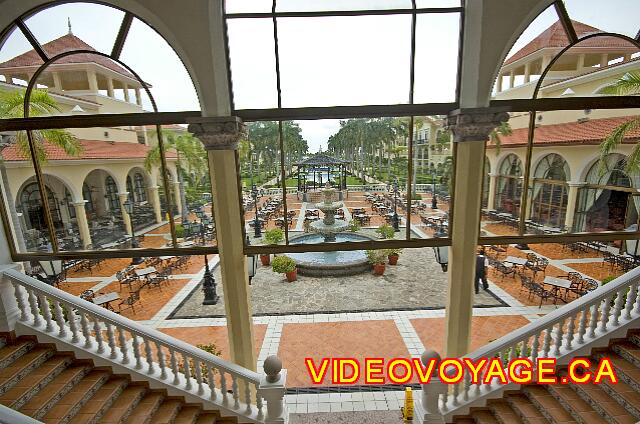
[(329, 225)]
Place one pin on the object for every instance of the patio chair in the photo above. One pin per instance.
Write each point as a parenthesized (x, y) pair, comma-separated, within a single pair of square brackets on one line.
[(505, 270), (130, 302), (543, 294), (158, 280), (88, 295), (539, 266), (609, 258)]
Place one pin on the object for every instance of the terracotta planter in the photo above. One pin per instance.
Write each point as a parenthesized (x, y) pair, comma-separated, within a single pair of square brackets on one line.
[(393, 259), (378, 269), (292, 276), (265, 259)]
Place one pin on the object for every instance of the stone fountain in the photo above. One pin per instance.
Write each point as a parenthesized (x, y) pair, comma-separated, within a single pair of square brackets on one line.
[(329, 225)]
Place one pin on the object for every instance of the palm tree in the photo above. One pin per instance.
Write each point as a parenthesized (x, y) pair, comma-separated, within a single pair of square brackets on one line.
[(191, 162), (40, 103), (495, 136), (628, 84)]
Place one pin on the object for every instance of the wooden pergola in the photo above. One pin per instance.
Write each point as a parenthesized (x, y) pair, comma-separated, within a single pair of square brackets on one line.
[(321, 167)]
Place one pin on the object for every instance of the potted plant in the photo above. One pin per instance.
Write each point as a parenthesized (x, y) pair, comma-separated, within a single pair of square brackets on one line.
[(386, 232), (377, 259), (354, 226), (274, 236), (285, 265), (393, 255)]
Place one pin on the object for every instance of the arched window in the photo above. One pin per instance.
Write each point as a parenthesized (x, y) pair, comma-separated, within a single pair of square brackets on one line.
[(509, 185), (140, 187), (550, 191), (86, 194), (112, 194), (33, 210)]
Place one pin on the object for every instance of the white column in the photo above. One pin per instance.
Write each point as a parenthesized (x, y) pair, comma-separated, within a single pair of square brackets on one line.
[(154, 197), (545, 62), (580, 65), (512, 78), (8, 79), (493, 182), (110, 87), (125, 90), (177, 198), (220, 137), (138, 97), (604, 60), (57, 81), (626, 58), (83, 224), (93, 80), (125, 216), (499, 83), (471, 129), (9, 311), (572, 203), (527, 72)]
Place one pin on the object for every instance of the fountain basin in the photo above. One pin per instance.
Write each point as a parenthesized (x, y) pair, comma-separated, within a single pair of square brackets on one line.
[(330, 264)]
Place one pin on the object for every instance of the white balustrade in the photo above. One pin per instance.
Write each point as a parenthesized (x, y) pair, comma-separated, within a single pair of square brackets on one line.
[(145, 351)]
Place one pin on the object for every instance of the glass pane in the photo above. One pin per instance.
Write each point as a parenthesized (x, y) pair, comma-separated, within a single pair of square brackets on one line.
[(616, 17), (253, 63), (432, 173), (329, 5), (436, 62), (77, 25), (545, 31), (438, 3), (155, 61), (240, 6), (337, 60), (18, 55)]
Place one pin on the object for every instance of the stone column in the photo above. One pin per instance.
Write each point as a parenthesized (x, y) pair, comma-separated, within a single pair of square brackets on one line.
[(154, 198), (125, 216), (110, 87), (93, 81), (527, 72), (499, 83), (125, 89), (471, 129), (177, 198), (604, 60), (493, 184), (580, 64), (83, 224), (572, 203), (138, 97), (220, 137), (546, 60), (57, 81), (512, 78)]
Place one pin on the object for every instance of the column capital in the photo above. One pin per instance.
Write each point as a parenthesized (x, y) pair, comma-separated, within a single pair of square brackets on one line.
[(474, 124), (79, 203), (576, 184), (218, 133)]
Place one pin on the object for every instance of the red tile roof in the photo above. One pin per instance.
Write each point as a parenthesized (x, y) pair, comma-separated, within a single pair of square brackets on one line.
[(592, 131), (63, 44), (93, 149), (555, 36)]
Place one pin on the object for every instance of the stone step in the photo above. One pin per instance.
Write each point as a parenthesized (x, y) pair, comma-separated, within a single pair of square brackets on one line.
[(625, 370), (10, 353), (46, 398), (22, 366), (101, 401), (124, 405), (628, 351), (525, 410), (33, 382), (548, 405), (625, 395), (145, 409), (574, 406), (71, 403), (503, 412), (188, 415), (167, 412), (483, 416), (208, 417)]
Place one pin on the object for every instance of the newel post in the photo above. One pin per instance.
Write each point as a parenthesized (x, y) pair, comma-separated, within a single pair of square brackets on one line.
[(426, 409), (272, 389), (9, 309)]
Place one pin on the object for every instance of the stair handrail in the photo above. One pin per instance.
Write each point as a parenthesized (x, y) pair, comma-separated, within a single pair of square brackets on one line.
[(85, 330)]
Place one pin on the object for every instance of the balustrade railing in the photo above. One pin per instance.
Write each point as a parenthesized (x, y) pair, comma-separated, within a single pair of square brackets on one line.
[(567, 331), (149, 352)]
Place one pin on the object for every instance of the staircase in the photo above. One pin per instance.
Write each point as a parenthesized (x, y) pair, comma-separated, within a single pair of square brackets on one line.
[(55, 387), (572, 403)]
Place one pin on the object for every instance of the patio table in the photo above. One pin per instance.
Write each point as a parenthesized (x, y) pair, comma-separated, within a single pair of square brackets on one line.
[(145, 271), (557, 284), (106, 299), (515, 260)]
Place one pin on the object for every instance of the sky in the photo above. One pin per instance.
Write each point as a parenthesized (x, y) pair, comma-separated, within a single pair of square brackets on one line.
[(323, 61)]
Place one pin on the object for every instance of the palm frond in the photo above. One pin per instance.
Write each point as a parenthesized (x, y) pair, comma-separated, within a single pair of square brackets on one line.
[(629, 83), (614, 140)]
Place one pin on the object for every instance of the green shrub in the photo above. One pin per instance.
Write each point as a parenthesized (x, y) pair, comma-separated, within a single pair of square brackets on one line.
[(386, 231), (354, 226), (391, 252), (212, 349), (274, 236), (376, 256), (179, 231), (283, 264), (609, 279)]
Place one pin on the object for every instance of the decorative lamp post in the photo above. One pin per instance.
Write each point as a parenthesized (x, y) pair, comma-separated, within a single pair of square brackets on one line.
[(252, 263), (209, 285), (52, 270), (128, 206), (441, 252), (256, 223), (396, 218), (434, 199)]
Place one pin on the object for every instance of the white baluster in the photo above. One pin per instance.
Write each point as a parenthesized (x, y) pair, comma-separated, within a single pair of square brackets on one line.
[(174, 367), (570, 332), (86, 331), (234, 389), (123, 346), (631, 297), (73, 323), (187, 371), (445, 398), (535, 346), (259, 403), (593, 320), (149, 354), (223, 387), (582, 327), (136, 351), (161, 361), (35, 312), (46, 312), (512, 353), (59, 315), (211, 372), (546, 344), (604, 319), (638, 301), (467, 385), (198, 367), (22, 304), (247, 397), (455, 393), (617, 307), (557, 340), (98, 335), (112, 341)]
